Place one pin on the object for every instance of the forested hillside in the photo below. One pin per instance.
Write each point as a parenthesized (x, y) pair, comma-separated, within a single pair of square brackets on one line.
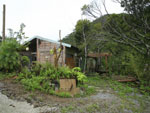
[(126, 36)]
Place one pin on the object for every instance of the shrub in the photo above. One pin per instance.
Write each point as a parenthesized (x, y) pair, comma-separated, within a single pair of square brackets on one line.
[(33, 83), (65, 72), (36, 68), (25, 60), (9, 56), (25, 73), (78, 74), (11, 60)]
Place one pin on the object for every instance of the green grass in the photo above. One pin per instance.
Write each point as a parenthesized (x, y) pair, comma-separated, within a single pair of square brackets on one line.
[(97, 81), (64, 94), (86, 90), (106, 82)]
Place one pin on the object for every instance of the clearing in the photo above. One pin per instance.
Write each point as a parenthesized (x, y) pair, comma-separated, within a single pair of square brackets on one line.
[(110, 97)]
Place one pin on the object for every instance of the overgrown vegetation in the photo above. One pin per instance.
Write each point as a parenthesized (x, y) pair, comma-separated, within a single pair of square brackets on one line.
[(45, 77), (125, 36), (123, 89)]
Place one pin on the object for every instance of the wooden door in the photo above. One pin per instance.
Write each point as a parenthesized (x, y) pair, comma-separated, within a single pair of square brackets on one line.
[(70, 62)]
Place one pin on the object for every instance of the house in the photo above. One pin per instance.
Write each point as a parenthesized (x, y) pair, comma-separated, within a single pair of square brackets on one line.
[(39, 50)]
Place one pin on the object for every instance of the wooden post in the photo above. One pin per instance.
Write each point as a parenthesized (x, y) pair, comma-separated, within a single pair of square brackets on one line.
[(60, 47), (3, 32)]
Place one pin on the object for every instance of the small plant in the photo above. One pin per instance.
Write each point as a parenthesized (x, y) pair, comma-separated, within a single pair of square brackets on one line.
[(52, 92), (79, 75)]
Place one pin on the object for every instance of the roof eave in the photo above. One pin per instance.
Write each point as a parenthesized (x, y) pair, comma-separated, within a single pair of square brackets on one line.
[(45, 39)]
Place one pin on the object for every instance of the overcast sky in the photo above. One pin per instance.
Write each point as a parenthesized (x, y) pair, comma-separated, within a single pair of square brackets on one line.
[(46, 17)]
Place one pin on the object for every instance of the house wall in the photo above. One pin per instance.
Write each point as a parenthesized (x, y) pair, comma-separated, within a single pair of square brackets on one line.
[(43, 52)]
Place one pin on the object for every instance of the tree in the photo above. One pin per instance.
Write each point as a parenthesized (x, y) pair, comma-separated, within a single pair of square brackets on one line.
[(19, 35), (70, 39), (57, 51), (131, 29), (82, 30), (94, 42), (136, 7), (136, 20)]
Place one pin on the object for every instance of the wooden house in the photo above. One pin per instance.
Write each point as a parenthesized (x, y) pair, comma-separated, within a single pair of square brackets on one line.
[(39, 50)]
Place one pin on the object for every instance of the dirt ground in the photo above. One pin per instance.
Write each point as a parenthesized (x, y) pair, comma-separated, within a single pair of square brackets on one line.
[(104, 101)]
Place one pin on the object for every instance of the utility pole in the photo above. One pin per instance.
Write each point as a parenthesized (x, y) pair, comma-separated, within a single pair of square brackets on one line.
[(4, 15), (60, 36)]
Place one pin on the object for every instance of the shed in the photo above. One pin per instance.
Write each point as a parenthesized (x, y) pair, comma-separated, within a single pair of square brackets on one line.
[(39, 50)]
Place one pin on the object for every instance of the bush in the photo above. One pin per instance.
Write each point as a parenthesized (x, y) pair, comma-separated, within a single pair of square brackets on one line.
[(25, 60), (10, 59), (24, 74), (35, 83), (65, 72), (79, 75), (9, 56)]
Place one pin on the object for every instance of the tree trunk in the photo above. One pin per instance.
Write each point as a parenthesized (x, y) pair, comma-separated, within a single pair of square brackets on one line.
[(85, 51)]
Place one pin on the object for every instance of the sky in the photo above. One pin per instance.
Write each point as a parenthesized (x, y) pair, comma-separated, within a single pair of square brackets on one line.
[(46, 17)]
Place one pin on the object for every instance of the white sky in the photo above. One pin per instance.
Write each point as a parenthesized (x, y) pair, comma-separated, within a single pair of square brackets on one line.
[(46, 17)]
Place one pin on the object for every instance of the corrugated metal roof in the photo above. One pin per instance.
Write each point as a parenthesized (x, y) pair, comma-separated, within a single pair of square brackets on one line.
[(46, 39)]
